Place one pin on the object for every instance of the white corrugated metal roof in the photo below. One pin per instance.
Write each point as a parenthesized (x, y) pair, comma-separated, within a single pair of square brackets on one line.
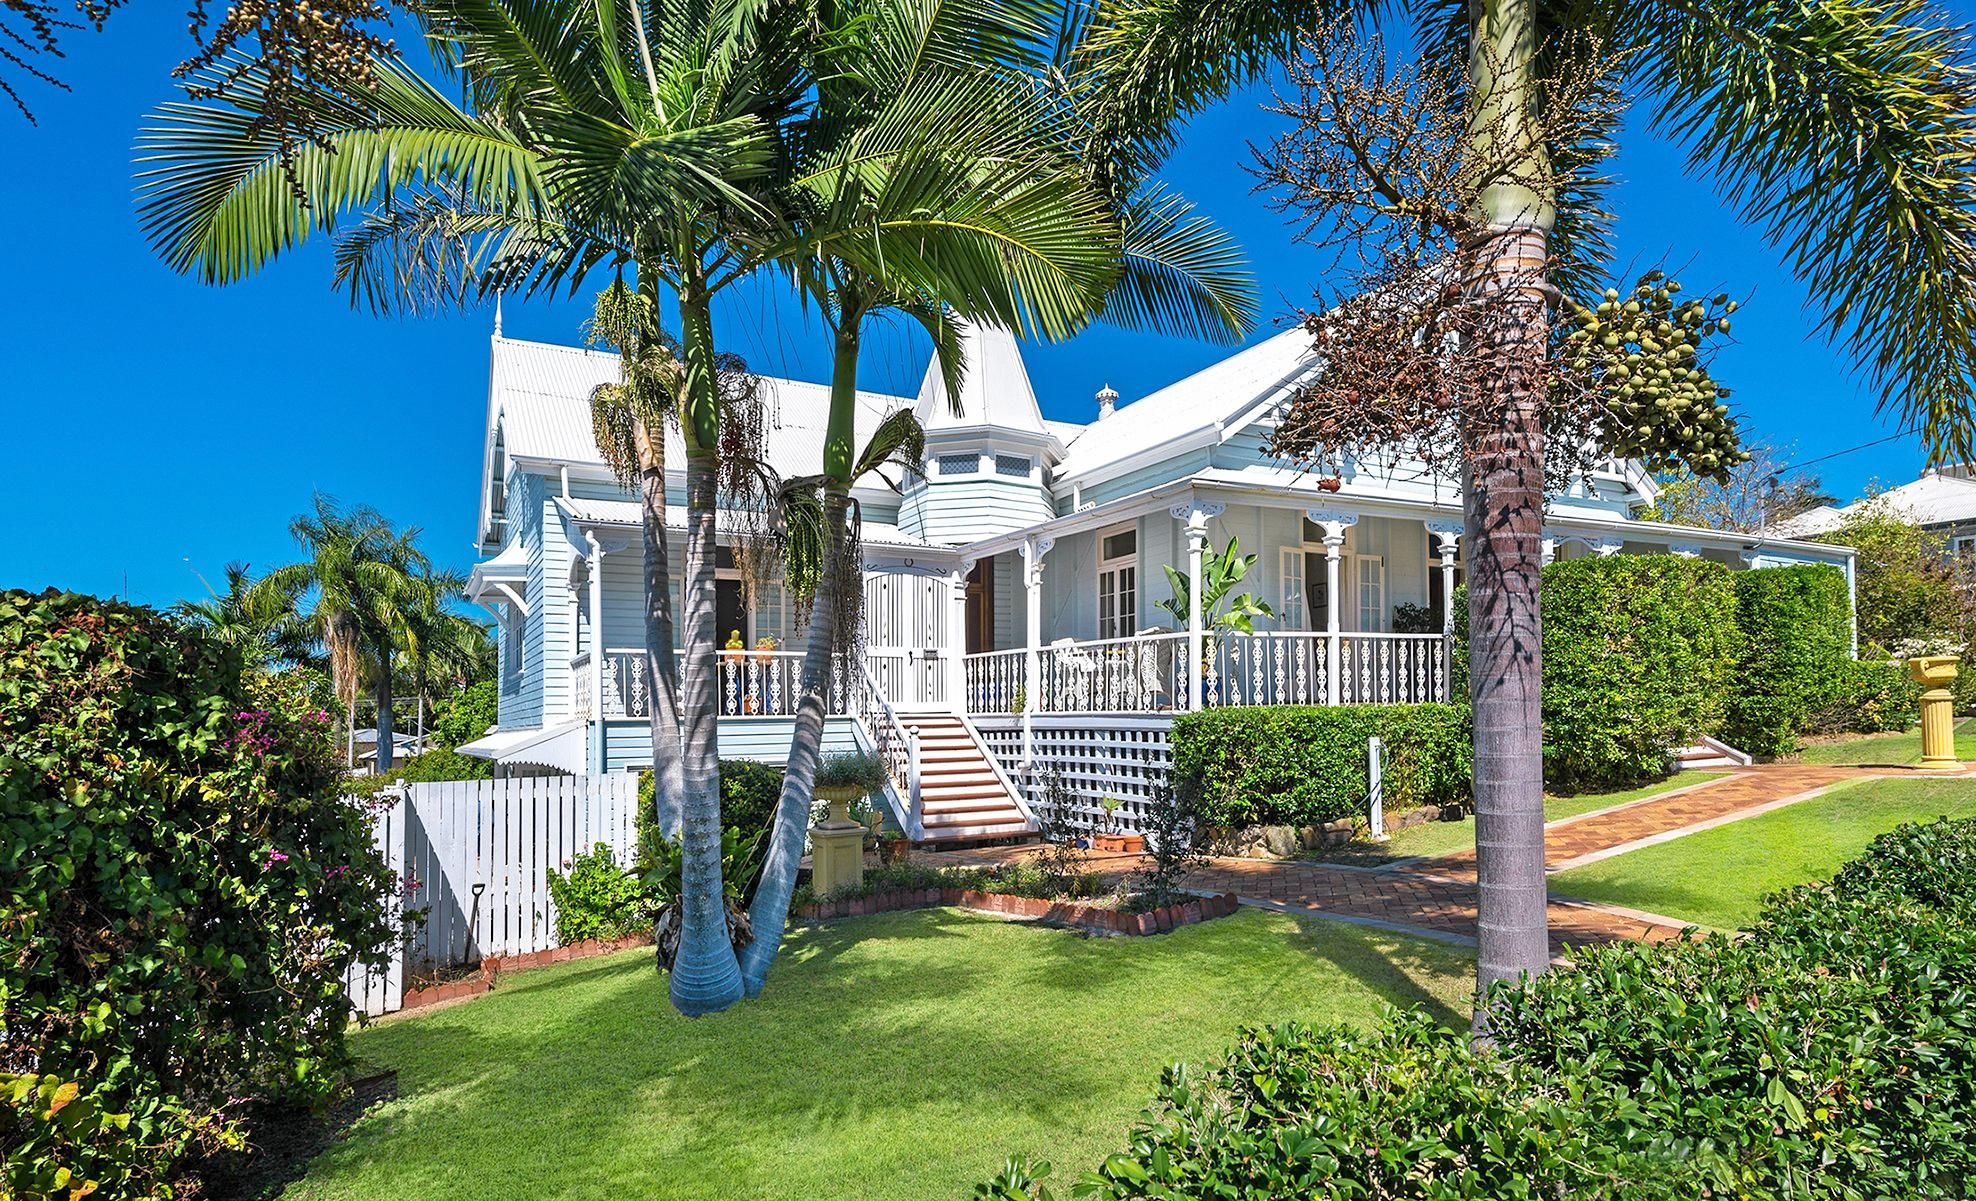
[(1934, 499), (995, 388), (628, 513), (541, 396), (1213, 395)]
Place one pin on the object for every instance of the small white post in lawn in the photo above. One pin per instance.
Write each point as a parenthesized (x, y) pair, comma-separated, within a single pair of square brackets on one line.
[(1375, 756)]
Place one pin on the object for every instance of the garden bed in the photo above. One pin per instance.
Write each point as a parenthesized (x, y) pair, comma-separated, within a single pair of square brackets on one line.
[(1092, 915), (481, 979)]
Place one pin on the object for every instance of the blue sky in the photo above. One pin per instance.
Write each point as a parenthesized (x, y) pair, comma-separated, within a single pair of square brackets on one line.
[(161, 427)]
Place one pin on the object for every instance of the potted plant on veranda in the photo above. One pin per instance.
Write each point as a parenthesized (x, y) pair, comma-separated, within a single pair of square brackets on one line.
[(734, 650)]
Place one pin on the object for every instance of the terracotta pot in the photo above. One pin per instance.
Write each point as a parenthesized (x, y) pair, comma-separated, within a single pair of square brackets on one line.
[(1128, 844)]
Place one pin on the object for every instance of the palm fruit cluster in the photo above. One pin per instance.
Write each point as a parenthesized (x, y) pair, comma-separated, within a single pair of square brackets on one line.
[(1639, 358)]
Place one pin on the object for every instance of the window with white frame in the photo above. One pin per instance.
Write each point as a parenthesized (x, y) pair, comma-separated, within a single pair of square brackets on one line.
[(511, 641), (1371, 593), (966, 464), (1291, 613), (1118, 582)]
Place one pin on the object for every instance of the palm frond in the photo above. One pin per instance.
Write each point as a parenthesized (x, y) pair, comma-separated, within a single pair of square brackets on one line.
[(1181, 273), (1846, 131)]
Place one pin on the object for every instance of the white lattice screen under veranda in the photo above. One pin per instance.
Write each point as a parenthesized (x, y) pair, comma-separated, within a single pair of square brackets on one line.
[(1126, 758), (475, 856)]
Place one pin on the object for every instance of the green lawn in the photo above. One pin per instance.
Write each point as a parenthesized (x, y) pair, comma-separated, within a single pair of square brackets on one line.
[(1718, 877), (899, 1056), (1446, 838), (1897, 750)]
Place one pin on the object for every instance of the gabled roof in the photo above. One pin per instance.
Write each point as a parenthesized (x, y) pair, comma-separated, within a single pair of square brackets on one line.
[(995, 389), (1191, 410), (1937, 498), (539, 397)]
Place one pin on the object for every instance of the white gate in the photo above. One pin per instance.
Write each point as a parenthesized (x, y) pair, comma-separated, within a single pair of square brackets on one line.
[(474, 858)]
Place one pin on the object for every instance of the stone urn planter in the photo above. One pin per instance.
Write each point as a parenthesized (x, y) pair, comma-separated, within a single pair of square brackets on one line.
[(839, 798), (1935, 671)]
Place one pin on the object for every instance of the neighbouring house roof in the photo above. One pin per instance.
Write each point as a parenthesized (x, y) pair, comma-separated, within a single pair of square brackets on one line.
[(629, 514), (559, 747), (540, 398), (1938, 498), (1192, 410)]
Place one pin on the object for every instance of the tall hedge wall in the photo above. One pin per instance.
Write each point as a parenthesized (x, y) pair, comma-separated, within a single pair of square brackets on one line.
[(1640, 654), (1796, 657), (1303, 765)]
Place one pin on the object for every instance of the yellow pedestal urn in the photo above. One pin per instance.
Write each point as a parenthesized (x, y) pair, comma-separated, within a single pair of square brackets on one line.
[(1936, 673), (837, 843)]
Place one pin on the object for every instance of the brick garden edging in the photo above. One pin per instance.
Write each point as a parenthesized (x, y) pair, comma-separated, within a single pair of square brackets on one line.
[(1096, 918), (482, 980)]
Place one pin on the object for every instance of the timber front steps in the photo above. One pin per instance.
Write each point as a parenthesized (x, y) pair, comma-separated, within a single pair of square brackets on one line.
[(1710, 753), (962, 797)]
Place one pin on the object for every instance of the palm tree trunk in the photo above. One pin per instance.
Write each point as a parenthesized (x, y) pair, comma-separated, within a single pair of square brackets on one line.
[(667, 783), (706, 977), (1503, 505), (770, 913), (385, 740)]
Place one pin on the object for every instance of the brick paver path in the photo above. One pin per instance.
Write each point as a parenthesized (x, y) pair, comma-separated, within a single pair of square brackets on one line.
[(1437, 896)]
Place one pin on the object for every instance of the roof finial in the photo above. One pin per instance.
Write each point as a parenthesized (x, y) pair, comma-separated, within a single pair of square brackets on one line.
[(497, 314), (1107, 401)]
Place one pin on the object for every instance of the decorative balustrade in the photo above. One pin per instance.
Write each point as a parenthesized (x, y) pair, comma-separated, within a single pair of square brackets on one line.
[(1149, 674), (579, 686), (995, 681)]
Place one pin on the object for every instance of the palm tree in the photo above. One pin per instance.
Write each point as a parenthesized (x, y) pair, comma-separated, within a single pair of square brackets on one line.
[(1844, 130), (948, 68), (265, 634), (659, 138), (360, 580)]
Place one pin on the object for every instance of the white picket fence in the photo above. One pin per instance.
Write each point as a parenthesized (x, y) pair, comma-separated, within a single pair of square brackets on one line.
[(475, 856)]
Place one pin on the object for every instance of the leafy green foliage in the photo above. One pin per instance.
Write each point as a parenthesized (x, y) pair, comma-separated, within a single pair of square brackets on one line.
[(1301, 765), (1906, 580), (182, 890), (1220, 572), (1639, 655), (595, 898), (1872, 697), (437, 765), (1796, 654), (1829, 1054), (467, 716), (851, 769)]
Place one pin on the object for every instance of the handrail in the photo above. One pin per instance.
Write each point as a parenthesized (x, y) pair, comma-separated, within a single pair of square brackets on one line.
[(894, 742)]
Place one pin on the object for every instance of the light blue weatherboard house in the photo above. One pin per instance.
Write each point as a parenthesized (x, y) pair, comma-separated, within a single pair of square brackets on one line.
[(1012, 587)]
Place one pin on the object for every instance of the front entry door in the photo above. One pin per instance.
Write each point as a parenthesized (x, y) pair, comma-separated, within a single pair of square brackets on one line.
[(1317, 603), (980, 632)]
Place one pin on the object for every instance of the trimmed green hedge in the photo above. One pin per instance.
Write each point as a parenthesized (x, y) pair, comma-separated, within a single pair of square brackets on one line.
[(1829, 1053), (1873, 697), (1796, 658), (1639, 657), (1303, 765)]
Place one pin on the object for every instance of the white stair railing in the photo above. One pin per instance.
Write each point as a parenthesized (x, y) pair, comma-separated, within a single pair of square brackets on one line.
[(897, 746)]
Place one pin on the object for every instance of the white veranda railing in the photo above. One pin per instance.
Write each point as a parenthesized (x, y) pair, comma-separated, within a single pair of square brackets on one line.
[(1149, 674)]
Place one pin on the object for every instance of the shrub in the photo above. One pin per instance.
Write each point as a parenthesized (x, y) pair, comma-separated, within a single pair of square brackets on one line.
[(852, 769), (1639, 655), (442, 764), (1301, 765), (182, 890), (1873, 696), (749, 794), (1827, 1054), (467, 716), (1796, 653), (599, 899)]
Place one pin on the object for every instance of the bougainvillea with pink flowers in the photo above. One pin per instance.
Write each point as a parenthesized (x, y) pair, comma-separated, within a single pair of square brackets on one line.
[(182, 892)]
